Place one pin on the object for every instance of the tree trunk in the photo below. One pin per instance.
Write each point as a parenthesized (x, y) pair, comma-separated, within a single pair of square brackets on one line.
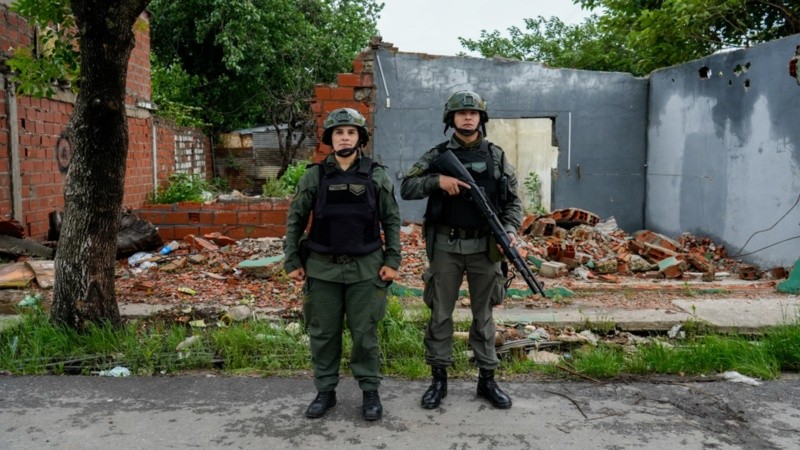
[(98, 129)]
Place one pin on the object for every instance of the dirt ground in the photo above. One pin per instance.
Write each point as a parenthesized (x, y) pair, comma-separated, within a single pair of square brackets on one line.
[(216, 281)]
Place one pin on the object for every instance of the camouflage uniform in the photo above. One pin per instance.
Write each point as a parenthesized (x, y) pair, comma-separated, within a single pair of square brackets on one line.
[(351, 288), (450, 258)]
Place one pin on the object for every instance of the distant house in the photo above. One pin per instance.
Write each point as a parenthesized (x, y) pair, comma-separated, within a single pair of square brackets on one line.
[(249, 156)]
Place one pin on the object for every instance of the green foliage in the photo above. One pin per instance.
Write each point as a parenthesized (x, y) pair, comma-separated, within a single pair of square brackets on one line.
[(599, 362), (708, 354), (556, 44), (174, 91), (36, 346), (274, 188), (642, 36), (249, 62), (57, 58), (293, 174), (287, 183), (182, 187), (220, 184), (533, 194)]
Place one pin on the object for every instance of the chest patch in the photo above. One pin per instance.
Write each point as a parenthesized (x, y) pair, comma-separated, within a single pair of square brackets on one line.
[(357, 189)]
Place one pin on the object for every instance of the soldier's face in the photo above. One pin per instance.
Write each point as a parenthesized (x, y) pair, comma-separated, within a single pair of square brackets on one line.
[(344, 137), (467, 119)]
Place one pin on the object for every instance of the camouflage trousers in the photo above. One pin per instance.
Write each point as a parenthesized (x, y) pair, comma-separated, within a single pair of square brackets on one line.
[(486, 289), (326, 306)]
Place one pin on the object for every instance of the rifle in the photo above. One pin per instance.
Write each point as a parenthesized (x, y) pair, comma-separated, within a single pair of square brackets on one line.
[(450, 165)]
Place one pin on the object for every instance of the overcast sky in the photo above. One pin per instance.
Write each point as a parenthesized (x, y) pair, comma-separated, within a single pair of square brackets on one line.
[(434, 26)]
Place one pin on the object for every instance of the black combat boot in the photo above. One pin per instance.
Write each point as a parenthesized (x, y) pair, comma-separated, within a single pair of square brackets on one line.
[(437, 390), (322, 402), (372, 408), (488, 389)]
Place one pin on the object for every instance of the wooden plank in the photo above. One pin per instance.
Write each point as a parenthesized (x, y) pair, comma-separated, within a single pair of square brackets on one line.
[(15, 275), (45, 272)]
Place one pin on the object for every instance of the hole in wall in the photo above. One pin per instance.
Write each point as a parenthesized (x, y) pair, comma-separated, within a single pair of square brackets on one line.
[(740, 69), (705, 72), (730, 82), (22, 123), (747, 85)]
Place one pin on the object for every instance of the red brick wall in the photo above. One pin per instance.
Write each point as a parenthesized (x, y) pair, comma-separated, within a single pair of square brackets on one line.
[(138, 86), (352, 90), (238, 220), (15, 30), (41, 122)]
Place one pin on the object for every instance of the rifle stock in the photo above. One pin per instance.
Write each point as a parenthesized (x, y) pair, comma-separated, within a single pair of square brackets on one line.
[(450, 165)]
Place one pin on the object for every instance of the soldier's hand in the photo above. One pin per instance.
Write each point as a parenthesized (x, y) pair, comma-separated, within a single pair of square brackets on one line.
[(512, 242), (298, 274), (451, 185), (387, 273)]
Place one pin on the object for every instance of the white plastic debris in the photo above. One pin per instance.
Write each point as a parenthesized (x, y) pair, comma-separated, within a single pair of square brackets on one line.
[(186, 343), (736, 377), (673, 332), (136, 258), (118, 371)]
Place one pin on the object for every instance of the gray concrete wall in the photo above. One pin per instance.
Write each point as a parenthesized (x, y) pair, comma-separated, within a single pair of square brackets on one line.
[(724, 152), (600, 123)]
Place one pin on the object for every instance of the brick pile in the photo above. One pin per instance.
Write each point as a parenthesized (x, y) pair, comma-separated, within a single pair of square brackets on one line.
[(569, 238)]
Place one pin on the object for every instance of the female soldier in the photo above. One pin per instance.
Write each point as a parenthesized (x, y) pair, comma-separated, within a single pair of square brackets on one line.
[(349, 266)]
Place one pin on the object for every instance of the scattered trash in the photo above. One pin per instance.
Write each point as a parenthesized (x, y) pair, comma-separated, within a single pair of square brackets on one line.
[(118, 371), (736, 377), (200, 323), (187, 290), (543, 357), (31, 300), (186, 343), (169, 248), (675, 331)]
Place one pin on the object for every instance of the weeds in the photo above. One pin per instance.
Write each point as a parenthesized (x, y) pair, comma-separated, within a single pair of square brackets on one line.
[(182, 187), (36, 346)]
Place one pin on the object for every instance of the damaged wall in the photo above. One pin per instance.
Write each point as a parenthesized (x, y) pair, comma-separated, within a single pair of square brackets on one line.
[(34, 164), (724, 152), (599, 121)]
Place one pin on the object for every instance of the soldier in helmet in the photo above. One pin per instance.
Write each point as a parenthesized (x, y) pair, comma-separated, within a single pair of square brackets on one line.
[(347, 266), (459, 241)]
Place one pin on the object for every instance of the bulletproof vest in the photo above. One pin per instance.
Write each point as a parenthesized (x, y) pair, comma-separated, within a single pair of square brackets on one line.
[(460, 211), (346, 211)]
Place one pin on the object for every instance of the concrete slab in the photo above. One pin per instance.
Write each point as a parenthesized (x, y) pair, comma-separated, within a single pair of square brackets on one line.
[(624, 319), (743, 314)]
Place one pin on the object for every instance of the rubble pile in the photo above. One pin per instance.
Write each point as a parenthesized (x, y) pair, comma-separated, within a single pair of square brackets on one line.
[(575, 240)]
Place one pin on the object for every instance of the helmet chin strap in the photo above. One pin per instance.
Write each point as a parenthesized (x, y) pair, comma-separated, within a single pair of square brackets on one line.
[(465, 132), (345, 152)]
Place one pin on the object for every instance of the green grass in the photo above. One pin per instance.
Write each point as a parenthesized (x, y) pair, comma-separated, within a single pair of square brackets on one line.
[(35, 346)]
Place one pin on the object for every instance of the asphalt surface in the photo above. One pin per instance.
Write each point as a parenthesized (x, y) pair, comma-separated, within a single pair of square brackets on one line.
[(191, 412)]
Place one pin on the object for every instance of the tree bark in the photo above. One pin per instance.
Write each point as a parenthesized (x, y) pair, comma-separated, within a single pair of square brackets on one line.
[(85, 258)]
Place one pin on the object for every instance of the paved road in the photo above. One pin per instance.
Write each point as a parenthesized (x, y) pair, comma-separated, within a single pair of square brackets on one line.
[(191, 412)]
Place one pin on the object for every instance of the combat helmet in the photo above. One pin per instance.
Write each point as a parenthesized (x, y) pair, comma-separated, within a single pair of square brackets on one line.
[(345, 116), (465, 100)]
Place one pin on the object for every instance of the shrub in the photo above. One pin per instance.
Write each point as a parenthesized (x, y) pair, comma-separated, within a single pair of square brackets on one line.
[(182, 187)]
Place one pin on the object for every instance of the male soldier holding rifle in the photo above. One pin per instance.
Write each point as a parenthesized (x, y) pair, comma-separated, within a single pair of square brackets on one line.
[(459, 240)]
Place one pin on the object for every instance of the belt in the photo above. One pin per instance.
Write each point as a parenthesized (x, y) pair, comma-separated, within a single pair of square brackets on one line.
[(459, 233), (335, 259)]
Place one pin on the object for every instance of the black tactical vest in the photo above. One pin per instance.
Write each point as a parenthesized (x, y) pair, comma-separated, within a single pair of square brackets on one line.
[(460, 211), (346, 211)]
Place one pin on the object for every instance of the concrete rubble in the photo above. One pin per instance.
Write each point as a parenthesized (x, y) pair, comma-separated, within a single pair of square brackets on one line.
[(568, 239)]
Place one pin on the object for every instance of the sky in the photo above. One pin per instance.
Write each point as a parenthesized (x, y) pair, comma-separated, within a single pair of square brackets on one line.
[(434, 26)]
